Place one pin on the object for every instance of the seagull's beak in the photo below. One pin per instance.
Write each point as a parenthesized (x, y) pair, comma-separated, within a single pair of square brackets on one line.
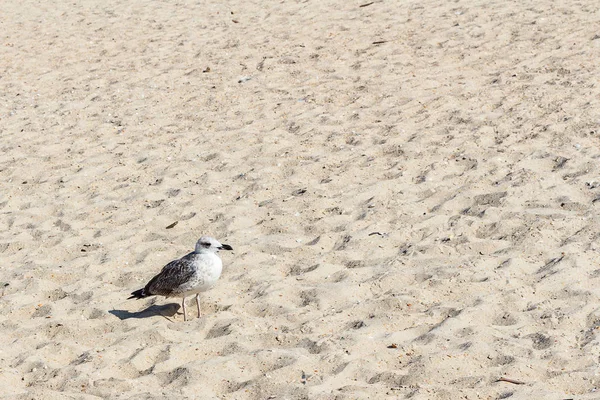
[(225, 247)]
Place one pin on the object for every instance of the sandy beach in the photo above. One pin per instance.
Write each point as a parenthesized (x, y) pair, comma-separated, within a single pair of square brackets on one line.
[(411, 190)]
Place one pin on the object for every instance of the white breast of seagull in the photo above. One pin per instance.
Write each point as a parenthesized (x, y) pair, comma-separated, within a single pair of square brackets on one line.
[(208, 267)]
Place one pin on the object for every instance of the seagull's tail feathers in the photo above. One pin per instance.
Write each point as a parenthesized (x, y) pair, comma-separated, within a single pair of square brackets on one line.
[(138, 294)]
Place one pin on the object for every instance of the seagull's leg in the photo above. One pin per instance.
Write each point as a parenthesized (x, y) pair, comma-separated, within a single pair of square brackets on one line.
[(183, 305), (198, 303)]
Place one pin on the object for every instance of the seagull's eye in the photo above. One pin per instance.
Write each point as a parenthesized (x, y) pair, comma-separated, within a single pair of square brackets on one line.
[(205, 244)]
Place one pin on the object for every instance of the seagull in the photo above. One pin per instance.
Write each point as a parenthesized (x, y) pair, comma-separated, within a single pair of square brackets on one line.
[(191, 274)]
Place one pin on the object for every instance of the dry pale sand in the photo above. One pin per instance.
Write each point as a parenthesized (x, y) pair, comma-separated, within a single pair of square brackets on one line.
[(465, 133)]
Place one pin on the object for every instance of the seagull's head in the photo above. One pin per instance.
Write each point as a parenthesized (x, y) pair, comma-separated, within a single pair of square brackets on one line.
[(207, 244)]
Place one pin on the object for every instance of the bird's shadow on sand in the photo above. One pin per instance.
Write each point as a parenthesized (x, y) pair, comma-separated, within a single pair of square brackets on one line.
[(166, 310)]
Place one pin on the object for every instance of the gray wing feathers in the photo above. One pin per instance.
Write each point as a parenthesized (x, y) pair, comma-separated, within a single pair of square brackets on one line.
[(174, 275)]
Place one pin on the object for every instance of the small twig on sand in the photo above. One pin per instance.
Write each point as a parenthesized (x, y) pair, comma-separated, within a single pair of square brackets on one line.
[(513, 381), (172, 225), (377, 233), (366, 4)]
